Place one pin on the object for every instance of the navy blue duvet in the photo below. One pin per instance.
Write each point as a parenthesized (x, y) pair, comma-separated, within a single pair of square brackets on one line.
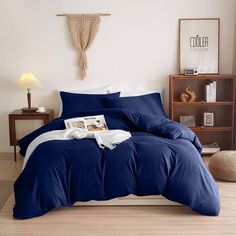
[(161, 157)]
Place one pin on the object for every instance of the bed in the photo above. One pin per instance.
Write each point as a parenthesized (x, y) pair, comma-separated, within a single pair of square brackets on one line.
[(161, 157)]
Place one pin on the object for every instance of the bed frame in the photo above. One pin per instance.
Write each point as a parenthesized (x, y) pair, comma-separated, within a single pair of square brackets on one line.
[(131, 200)]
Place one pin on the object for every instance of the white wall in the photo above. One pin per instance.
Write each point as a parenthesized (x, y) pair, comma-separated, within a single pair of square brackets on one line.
[(135, 47)]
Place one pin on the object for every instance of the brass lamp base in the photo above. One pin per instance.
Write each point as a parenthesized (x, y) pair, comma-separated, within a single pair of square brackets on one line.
[(29, 110)]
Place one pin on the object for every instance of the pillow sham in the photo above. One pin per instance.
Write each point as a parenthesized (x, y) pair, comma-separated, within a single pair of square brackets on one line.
[(72, 102), (149, 104), (100, 90)]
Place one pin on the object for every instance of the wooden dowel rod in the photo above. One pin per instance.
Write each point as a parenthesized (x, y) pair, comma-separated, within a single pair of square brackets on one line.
[(101, 14)]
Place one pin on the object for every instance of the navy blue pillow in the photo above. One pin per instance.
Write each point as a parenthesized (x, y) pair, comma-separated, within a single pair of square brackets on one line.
[(149, 104), (73, 102)]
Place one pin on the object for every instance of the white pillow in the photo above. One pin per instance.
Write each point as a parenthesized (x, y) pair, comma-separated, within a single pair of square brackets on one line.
[(139, 93), (101, 90), (130, 93)]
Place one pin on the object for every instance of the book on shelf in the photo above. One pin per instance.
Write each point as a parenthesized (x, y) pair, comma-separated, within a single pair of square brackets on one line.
[(210, 92), (188, 121), (210, 148), (214, 91), (88, 123), (207, 92)]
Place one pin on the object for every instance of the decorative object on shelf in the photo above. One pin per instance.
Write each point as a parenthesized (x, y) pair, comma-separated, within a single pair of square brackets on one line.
[(188, 121), (83, 29), (28, 81), (210, 92), (199, 44), (184, 97), (208, 119), (190, 71), (189, 96)]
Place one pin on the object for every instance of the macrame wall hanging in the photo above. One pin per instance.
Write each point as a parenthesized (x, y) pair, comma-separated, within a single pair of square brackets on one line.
[(83, 29)]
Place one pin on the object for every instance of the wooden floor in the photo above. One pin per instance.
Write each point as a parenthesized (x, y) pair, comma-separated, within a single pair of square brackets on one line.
[(127, 220)]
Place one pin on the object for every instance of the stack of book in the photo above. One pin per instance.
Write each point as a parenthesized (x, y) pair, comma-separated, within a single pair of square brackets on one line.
[(210, 92), (210, 148)]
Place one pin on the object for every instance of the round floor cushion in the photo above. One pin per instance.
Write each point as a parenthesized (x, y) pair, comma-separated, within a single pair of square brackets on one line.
[(222, 165)]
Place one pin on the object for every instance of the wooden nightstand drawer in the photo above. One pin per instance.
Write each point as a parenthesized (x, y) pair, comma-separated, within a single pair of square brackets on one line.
[(21, 124), (24, 127)]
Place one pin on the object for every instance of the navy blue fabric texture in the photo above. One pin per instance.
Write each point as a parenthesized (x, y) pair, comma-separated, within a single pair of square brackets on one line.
[(73, 102), (149, 104), (162, 157)]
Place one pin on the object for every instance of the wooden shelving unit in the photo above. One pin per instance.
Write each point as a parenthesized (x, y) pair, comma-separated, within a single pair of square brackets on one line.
[(224, 108)]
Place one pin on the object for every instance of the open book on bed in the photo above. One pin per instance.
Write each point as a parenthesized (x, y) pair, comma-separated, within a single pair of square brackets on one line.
[(89, 123)]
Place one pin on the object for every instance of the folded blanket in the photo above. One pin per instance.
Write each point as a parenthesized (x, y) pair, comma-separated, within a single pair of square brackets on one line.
[(104, 139)]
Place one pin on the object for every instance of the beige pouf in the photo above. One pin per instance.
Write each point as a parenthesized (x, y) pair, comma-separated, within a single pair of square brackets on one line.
[(222, 165)]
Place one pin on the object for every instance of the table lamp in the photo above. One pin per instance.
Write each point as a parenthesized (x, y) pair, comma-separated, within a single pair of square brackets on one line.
[(28, 81)]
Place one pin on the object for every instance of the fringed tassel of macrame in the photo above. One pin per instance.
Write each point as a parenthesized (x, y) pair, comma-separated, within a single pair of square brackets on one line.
[(82, 64)]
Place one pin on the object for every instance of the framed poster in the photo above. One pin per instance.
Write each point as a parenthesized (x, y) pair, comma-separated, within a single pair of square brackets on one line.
[(199, 44)]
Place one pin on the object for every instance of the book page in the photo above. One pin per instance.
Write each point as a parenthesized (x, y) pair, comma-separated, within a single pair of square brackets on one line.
[(95, 123), (89, 123)]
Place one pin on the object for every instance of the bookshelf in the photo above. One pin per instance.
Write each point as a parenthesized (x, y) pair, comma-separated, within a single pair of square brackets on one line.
[(224, 108)]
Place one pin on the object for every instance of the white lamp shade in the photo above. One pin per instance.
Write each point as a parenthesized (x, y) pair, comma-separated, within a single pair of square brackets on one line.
[(28, 81)]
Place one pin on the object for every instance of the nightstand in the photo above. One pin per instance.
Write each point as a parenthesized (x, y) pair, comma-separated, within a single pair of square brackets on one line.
[(21, 124)]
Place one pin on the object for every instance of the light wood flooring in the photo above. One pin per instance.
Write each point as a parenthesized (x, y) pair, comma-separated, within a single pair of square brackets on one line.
[(118, 220)]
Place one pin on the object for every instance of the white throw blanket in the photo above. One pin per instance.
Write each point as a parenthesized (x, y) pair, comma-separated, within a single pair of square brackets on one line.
[(104, 139)]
